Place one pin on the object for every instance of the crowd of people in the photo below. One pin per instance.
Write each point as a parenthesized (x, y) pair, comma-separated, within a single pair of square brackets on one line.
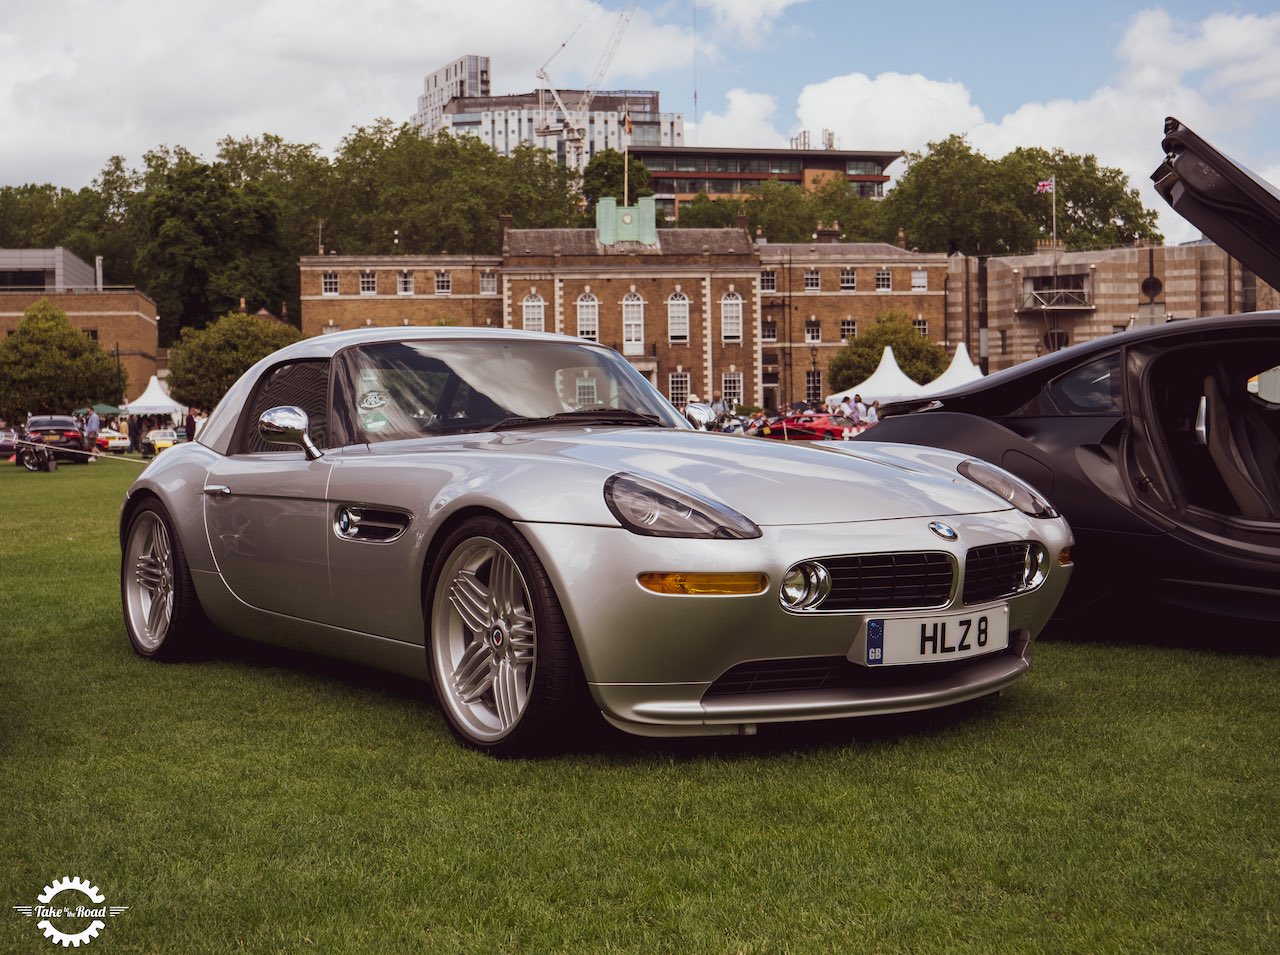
[(136, 427)]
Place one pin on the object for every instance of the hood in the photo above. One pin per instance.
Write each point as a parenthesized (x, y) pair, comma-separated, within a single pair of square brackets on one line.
[(1229, 204), (772, 483)]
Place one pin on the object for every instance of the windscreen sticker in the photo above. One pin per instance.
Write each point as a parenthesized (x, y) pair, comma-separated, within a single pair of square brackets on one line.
[(372, 400)]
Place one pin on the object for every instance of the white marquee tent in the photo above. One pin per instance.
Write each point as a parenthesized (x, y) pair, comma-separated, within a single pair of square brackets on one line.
[(961, 371), (887, 383), (154, 400)]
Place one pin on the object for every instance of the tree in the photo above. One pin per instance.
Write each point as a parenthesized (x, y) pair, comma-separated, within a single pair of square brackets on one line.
[(860, 219), (205, 362), (603, 177), (920, 359), (48, 366), (707, 213), (780, 212)]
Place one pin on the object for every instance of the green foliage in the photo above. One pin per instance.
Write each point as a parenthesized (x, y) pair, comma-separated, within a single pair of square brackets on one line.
[(47, 366), (954, 199), (603, 177), (920, 359), (707, 213), (205, 362)]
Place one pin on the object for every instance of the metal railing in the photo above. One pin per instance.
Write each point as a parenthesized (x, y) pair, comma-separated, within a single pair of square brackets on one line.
[(1055, 298)]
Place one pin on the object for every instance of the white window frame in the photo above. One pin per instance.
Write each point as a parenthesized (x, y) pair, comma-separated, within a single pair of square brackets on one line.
[(585, 393), (488, 283), (884, 280), (812, 280), (731, 317), (632, 324), (848, 329), (368, 282), (444, 282), (679, 384), (328, 283), (849, 280), (921, 325), (919, 280), (731, 388), (768, 331), (678, 318), (589, 317), (813, 384), (404, 282), (533, 313), (812, 333), (768, 280)]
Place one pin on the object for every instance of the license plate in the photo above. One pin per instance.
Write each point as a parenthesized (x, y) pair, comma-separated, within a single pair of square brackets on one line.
[(936, 638)]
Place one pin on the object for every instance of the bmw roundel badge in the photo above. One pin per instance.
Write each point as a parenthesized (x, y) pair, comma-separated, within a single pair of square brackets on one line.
[(945, 531)]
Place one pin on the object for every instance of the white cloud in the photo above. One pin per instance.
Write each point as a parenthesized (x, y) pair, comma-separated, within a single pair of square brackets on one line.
[(747, 21), (1216, 75), (747, 122)]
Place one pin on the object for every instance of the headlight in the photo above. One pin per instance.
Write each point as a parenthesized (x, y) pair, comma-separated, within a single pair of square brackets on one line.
[(647, 507), (1003, 484)]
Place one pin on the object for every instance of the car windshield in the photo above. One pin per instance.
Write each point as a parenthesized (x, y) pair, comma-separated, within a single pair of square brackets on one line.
[(393, 390), (51, 421)]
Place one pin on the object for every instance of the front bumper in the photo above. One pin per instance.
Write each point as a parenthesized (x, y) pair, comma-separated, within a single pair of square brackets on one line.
[(651, 659)]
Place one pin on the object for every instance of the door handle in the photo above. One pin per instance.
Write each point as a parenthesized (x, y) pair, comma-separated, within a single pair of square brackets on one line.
[(216, 489)]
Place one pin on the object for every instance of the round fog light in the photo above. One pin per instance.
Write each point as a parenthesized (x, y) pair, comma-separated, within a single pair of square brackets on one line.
[(805, 586), (1035, 567)]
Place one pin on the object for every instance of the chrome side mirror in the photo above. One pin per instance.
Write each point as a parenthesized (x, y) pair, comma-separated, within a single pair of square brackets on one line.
[(287, 425), (700, 416)]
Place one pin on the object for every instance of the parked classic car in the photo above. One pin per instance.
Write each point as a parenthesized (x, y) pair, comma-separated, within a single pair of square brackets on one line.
[(523, 519), (809, 426), (1161, 445), (109, 439)]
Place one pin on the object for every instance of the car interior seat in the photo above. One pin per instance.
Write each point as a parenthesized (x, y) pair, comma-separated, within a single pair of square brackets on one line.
[(1230, 452)]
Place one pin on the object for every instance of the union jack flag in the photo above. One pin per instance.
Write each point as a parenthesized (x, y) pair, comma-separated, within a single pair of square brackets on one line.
[(1045, 185)]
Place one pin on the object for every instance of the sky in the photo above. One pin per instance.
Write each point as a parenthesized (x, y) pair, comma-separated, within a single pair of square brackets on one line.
[(81, 80)]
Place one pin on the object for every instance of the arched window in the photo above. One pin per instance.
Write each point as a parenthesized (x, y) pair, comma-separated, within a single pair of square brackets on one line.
[(678, 318), (588, 317), (632, 324), (534, 311), (731, 317)]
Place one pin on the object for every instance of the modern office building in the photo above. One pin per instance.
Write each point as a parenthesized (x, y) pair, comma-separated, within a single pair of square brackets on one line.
[(465, 76)]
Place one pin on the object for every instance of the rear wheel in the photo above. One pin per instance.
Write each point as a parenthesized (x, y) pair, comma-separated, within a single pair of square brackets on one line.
[(502, 661), (162, 614)]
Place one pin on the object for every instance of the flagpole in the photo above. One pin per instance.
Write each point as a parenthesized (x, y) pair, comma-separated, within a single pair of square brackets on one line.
[(1054, 190), (626, 164)]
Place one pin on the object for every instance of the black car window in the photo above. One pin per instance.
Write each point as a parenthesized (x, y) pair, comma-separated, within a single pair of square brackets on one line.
[(1092, 389), (302, 384)]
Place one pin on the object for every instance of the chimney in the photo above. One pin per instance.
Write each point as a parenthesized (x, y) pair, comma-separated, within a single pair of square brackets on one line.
[(504, 226), (97, 270), (902, 238), (828, 234), (243, 309)]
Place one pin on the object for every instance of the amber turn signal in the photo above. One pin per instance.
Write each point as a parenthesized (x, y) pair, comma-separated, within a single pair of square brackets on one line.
[(698, 584), (1064, 556)]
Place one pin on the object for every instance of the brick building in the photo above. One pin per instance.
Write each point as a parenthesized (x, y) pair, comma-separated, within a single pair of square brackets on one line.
[(122, 321)]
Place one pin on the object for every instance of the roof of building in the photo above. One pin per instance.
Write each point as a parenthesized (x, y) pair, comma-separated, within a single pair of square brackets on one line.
[(544, 242), (835, 250)]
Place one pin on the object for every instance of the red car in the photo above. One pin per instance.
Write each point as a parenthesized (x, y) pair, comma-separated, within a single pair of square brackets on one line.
[(810, 427)]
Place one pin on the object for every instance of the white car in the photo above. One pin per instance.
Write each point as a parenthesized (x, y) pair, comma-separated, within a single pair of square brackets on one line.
[(116, 442)]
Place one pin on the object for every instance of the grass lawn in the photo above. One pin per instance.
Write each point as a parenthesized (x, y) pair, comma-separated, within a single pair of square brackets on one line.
[(1122, 799)]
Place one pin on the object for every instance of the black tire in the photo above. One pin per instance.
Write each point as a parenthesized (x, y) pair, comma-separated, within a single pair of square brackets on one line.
[(162, 614), (502, 660), (31, 461)]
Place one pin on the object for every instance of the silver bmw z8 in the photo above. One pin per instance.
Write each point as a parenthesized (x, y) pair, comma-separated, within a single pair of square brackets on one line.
[(525, 521)]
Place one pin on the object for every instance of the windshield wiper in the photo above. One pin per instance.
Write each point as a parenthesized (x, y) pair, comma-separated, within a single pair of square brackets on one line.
[(585, 416)]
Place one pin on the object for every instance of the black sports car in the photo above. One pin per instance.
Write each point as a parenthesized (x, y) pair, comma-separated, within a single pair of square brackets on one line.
[(1161, 445)]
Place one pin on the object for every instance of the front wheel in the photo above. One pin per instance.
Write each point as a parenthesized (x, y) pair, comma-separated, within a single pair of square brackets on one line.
[(162, 614), (502, 661)]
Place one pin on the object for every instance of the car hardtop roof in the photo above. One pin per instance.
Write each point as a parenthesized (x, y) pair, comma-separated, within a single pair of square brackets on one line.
[(325, 346)]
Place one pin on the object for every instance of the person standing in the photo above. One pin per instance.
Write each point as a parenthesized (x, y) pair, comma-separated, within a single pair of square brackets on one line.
[(92, 425), (190, 425), (135, 433)]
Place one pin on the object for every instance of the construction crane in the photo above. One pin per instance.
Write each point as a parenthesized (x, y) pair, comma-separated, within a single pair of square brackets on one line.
[(573, 125)]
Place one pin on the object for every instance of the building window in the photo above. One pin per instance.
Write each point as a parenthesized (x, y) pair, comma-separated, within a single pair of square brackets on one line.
[(368, 283), (534, 312), (632, 324), (919, 280), (488, 283), (678, 388), (921, 326), (813, 385), (812, 281), (678, 318), (585, 392), (588, 317), (91, 334), (444, 283), (768, 331), (329, 283), (731, 317), (884, 280), (812, 332), (849, 280), (768, 281), (404, 283), (848, 328), (731, 388)]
